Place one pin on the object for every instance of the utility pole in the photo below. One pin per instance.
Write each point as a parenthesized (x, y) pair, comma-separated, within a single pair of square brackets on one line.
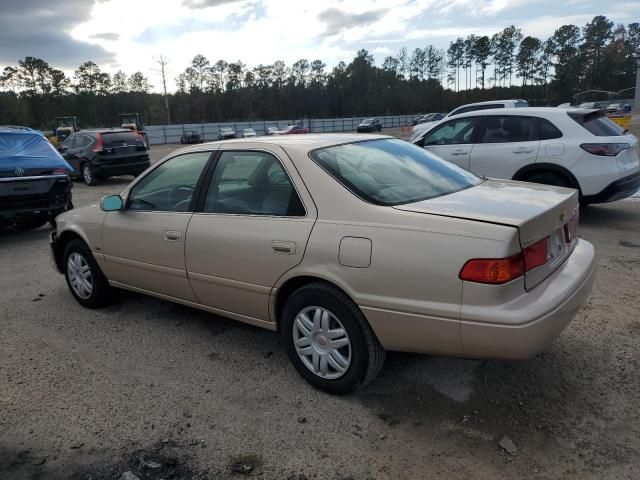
[(636, 103), (163, 62)]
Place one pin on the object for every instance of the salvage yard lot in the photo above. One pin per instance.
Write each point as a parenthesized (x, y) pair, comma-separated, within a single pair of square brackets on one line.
[(161, 389)]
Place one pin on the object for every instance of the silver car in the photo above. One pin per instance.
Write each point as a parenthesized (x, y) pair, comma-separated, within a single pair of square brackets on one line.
[(346, 245)]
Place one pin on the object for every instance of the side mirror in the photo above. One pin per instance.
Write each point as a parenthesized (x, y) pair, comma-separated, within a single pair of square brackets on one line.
[(111, 203)]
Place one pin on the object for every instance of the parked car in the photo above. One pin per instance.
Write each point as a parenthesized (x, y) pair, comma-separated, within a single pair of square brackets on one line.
[(34, 179), (576, 148), (564, 105), (369, 125), (191, 136), (271, 131), (472, 107), (98, 154), (596, 105), (293, 129), (226, 133), (416, 118), (248, 132), (346, 245), (614, 107), (431, 117)]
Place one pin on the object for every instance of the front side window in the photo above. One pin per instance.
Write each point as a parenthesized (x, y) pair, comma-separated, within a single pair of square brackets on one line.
[(454, 132), (252, 183), (392, 172), (506, 129), (170, 187)]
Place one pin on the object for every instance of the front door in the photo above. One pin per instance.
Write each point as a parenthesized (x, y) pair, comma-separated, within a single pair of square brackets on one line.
[(143, 244), (505, 144), (251, 228), (453, 140)]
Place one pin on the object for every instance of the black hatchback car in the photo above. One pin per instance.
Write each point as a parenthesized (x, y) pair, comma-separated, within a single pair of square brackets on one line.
[(369, 125), (97, 154), (34, 179)]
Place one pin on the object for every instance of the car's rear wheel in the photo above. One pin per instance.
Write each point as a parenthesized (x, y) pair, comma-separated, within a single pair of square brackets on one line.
[(86, 281), (88, 175), (548, 178), (329, 341)]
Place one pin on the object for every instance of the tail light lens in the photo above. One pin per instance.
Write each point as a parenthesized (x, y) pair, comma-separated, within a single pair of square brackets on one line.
[(604, 149), (497, 271), (60, 171), (98, 146)]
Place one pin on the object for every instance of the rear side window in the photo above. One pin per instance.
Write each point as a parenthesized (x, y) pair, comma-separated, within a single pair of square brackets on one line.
[(506, 129), (121, 139), (597, 124), (547, 130)]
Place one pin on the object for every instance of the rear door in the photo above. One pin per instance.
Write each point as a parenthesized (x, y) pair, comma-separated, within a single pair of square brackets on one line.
[(251, 227), (505, 144), (453, 140)]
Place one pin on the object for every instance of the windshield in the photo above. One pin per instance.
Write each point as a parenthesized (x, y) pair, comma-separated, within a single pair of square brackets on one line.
[(392, 172), (367, 121), (226, 130)]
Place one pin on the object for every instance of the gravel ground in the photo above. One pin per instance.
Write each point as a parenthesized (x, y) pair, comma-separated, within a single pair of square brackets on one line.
[(165, 391)]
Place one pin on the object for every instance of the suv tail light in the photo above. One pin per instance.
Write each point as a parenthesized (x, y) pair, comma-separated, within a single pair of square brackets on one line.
[(497, 271), (604, 149), (98, 146)]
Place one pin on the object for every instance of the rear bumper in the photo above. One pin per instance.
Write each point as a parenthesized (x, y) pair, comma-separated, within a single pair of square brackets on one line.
[(623, 188), (54, 201), (124, 168), (545, 312)]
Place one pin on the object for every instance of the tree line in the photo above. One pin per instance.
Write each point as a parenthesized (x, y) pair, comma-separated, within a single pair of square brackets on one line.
[(600, 55)]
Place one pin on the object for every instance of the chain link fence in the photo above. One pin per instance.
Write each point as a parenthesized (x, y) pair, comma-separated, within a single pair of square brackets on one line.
[(160, 134)]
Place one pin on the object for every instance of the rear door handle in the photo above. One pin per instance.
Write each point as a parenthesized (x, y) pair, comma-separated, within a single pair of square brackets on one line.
[(460, 152), (523, 150), (172, 236), (287, 248)]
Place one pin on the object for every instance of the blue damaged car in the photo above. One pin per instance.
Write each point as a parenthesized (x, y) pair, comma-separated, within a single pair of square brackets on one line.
[(35, 185)]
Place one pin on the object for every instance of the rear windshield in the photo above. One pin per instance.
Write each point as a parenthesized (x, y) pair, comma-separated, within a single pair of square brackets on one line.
[(392, 172), (121, 139), (598, 124)]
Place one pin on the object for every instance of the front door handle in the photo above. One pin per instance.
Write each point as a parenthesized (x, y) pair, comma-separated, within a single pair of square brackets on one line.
[(172, 236), (460, 152), (287, 248), (523, 150)]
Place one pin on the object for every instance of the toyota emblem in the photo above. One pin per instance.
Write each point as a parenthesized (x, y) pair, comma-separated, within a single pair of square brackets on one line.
[(19, 171)]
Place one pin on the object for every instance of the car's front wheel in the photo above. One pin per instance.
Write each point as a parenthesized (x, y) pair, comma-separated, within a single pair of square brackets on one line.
[(88, 174), (86, 281), (329, 341)]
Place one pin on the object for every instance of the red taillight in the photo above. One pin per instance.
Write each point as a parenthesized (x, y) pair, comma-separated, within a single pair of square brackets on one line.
[(493, 270), (60, 171), (536, 254), (98, 146), (604, 149), (497, 271)]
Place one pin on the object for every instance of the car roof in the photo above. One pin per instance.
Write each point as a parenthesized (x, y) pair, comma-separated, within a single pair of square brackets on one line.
[(489, 102), (18, 129), (530, 111), (309, 141), (106, 130)]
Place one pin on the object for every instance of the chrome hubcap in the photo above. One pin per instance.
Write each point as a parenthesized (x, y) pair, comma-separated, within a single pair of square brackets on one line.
[(79, 275), (322, 342), (86, 171)]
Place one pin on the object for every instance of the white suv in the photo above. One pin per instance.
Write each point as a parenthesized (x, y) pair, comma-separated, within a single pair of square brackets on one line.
[(577, 148), (470, 107)]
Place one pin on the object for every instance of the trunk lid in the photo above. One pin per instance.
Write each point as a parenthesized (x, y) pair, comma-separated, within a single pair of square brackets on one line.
[(537, 211)]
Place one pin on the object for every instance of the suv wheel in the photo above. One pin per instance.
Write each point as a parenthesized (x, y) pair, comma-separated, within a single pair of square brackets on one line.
[(329, 341), (88, 175), (86, 281)]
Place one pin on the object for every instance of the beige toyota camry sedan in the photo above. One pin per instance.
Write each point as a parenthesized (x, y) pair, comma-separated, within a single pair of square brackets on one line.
[(346, 245)]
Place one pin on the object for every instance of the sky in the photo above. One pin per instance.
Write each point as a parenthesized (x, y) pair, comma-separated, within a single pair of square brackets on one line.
[(130, 34)]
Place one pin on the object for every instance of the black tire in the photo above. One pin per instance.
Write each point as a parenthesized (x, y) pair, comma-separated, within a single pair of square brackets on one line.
[(88, 175), (367, 355), (548, 178), (30, 221), (101, 292)]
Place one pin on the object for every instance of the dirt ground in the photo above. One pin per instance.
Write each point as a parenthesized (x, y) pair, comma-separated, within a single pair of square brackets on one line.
[(165, 391)]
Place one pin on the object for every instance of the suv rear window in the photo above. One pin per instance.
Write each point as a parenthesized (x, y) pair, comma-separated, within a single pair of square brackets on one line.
[(121, 139), (598, 124), (392, 172)]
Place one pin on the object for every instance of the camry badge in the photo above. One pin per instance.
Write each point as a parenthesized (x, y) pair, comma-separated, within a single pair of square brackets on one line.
[(19, 171), (563, 214)]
